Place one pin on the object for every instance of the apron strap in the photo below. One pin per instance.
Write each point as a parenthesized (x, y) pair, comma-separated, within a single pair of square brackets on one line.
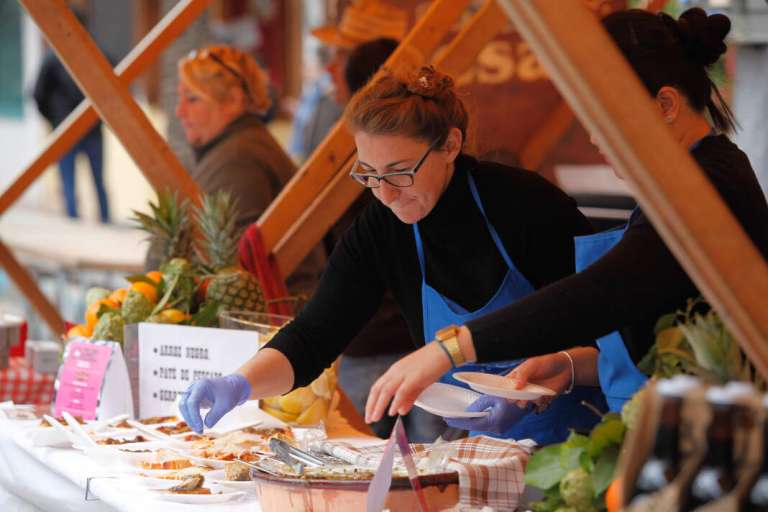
[(494, 235), (419, 251), (491, 229)]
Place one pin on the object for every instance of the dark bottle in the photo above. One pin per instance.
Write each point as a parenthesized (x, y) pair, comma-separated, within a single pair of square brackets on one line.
[(756, 499), (716, 475), (663, 464)]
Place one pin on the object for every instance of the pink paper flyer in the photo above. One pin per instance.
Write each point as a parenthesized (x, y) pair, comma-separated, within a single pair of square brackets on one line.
[(81, 378)]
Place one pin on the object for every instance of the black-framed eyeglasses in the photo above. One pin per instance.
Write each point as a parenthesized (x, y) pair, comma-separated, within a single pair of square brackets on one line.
[(204, 54), (400, 179)]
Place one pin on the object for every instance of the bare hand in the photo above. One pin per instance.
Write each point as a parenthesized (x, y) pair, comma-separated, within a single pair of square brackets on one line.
[(404, 382), (552, 371)]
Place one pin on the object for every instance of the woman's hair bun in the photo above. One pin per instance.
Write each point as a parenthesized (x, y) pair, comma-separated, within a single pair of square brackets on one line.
[(427, 82), (702, 35)]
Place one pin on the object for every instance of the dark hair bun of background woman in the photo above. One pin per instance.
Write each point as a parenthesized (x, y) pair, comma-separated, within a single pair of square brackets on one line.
[(702, 35)]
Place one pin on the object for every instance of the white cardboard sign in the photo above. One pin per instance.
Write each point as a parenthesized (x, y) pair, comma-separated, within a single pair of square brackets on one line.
[(172, 356)]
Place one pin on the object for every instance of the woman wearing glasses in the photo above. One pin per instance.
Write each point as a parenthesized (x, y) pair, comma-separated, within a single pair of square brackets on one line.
[(222, 96), (451, 237)]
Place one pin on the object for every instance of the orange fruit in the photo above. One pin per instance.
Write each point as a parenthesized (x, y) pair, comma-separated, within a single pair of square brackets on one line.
[(91, 313), (174, 316), (118, 295), (155, 275), (147, 289), (79, 330), (613, 497)]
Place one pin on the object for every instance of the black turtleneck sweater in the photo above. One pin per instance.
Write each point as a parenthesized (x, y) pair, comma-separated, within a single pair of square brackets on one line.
[(628, 289), (535, 221)]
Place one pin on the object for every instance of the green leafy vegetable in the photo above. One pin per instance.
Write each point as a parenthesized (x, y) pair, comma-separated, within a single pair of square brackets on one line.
[(544, 470)]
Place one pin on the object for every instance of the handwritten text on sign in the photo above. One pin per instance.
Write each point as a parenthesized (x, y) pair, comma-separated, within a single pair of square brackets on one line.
[(172, 356)]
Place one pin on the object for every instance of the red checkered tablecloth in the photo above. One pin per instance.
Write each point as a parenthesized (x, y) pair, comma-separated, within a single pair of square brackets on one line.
[(25, 386)]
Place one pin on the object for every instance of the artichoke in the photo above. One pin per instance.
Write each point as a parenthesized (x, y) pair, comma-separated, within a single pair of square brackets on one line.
[(576, 490), (136, 307), (631, 408), (95, 294), (179, 274), (109, 327)]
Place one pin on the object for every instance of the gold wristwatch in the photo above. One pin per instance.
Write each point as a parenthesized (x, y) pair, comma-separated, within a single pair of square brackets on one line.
[(448, 339)]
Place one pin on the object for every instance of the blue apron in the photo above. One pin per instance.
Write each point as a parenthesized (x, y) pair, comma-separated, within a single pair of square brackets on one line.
[(619, 376), (566, 411)]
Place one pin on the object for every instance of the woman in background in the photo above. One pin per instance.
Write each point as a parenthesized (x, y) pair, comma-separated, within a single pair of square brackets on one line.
[(222, 96)]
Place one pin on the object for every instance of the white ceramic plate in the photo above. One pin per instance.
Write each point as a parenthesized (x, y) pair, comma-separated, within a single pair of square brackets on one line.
[(109, 456), (50, 436), (448, 401), (61, 429), (498, 385), (218, 494)]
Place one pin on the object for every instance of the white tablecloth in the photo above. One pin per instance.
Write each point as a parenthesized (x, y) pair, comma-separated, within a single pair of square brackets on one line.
[(34, 479)]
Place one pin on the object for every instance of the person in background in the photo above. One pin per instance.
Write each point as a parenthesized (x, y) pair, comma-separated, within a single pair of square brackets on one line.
[(222, 95), (317, 86), (450, 237), (362, 21), (56, 95), (626, 278)]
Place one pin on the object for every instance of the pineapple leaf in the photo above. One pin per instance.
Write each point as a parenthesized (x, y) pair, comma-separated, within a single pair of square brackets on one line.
[(207, 315), (217, 220), (169, 225)]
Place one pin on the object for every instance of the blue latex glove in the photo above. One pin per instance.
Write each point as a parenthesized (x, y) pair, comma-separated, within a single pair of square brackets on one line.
[(221, 394), (503, 415)]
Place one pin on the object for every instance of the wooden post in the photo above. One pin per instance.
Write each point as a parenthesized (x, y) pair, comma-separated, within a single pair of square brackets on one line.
[(26, 283), (328, 205), (292, 38), (318, 217), (462, 51), (111, 98), (82, 118), (338, 146), (685, 208)]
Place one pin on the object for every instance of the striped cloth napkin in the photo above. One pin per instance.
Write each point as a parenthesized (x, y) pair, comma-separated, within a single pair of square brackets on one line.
[(490, 470)]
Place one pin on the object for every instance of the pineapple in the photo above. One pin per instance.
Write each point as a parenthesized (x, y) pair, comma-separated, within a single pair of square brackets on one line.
[(231, 286), (169, 226)]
